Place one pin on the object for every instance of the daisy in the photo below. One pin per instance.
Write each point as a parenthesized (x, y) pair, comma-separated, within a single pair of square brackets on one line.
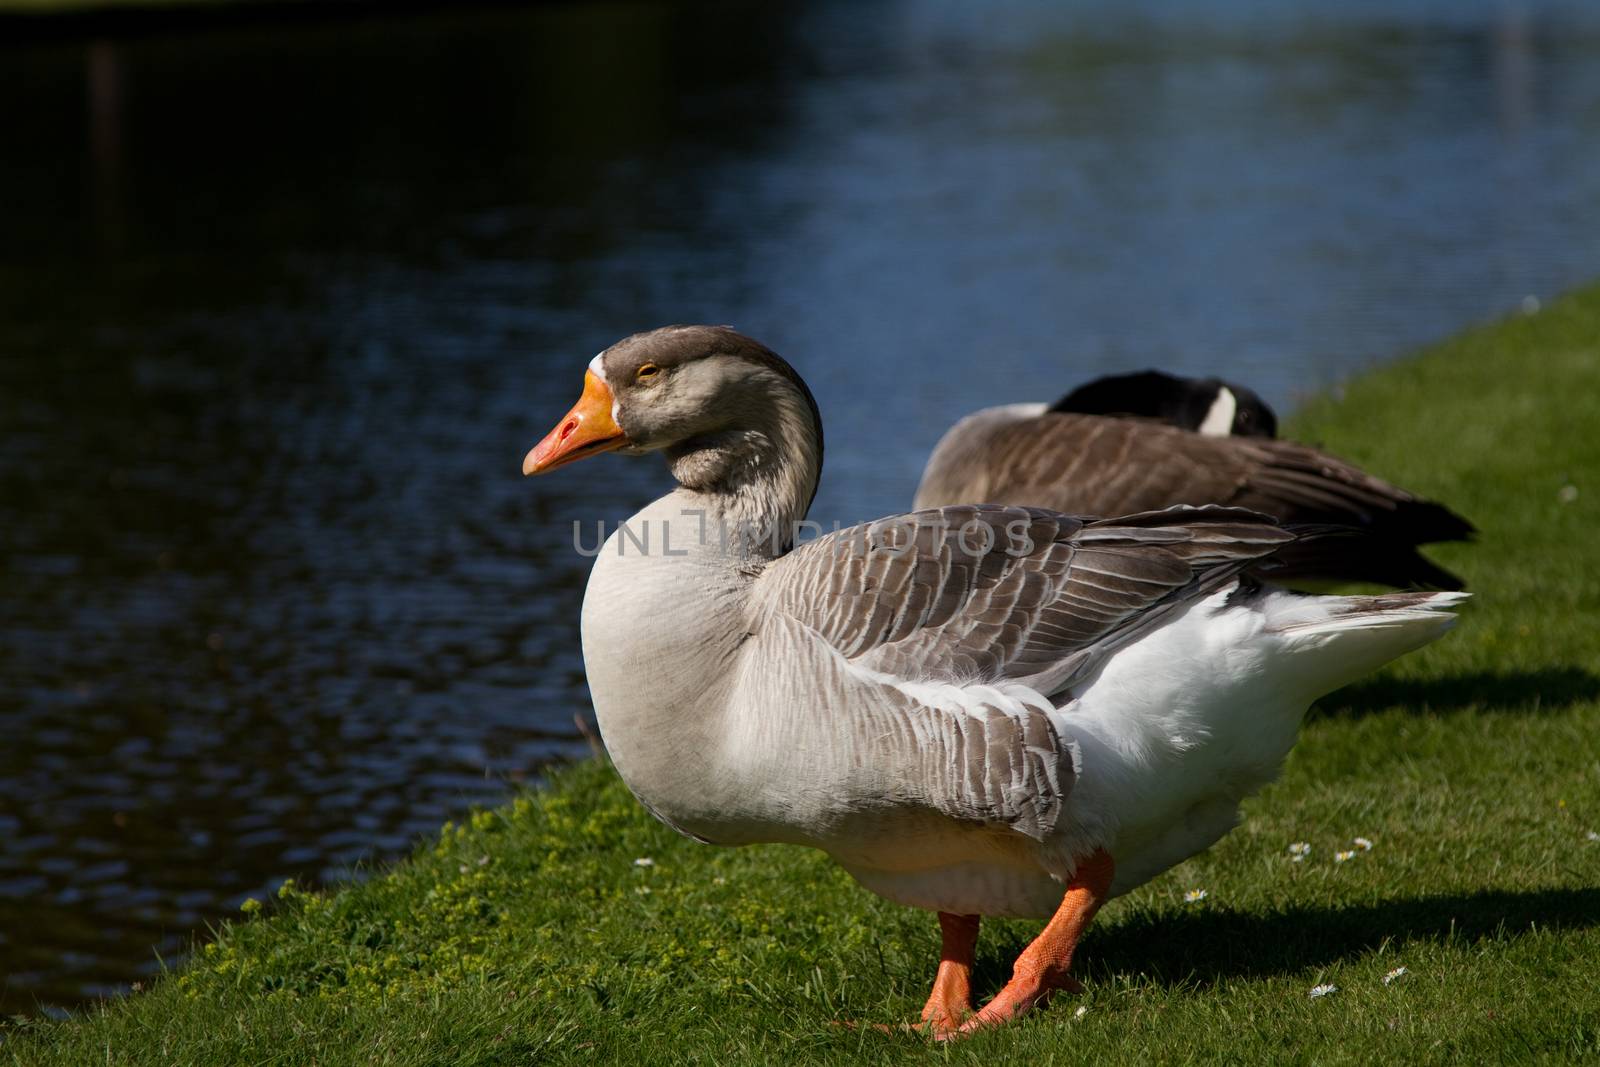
[(1299, 851), (1194, 896), (1392, 975), (644, 861), (1083, 1009), (1363, 844), (1340, 857), (1591, 836), (1323, 990)]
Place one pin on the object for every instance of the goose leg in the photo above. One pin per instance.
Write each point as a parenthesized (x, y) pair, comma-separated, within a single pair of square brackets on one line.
[(1043, 965), (951, 1000)]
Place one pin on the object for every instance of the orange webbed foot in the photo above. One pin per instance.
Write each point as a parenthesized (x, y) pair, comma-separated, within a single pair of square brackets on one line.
[(950, 1002), (1042, 968), (1020, 996)]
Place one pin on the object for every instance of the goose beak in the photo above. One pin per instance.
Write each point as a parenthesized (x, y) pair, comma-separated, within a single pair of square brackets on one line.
[(587, 430)]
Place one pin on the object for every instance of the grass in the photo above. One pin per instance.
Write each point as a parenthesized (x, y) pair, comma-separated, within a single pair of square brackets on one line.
[(531, 933)]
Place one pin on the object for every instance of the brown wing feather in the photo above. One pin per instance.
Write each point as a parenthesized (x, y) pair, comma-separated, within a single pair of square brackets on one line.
[(987, 594)]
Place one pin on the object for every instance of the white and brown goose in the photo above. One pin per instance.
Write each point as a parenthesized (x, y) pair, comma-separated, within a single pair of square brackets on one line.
[(1196, 442), (976, 710)]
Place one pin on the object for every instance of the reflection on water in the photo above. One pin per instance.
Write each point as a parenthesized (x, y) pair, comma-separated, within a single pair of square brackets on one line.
[(281, 309)]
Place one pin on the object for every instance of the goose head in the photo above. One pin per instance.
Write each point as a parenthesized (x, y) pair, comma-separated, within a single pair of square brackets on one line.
[(1204, 405), (722, 407), (1229, 410)]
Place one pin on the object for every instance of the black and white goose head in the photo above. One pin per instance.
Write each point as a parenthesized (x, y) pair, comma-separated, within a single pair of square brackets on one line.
[(1209, 406), (728, 413)]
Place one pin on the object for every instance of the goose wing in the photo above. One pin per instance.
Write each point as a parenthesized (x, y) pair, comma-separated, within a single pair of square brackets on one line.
[(967, 619), (987, 594)]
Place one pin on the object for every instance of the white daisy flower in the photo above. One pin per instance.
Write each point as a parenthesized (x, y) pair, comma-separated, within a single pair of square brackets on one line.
[(1392, 975), (1340, 857), (1363, 844), (1300, 850), (1323, 990), (1591, 836), (1195, 896), (644, 861), (642, 890), (1083, 1009)]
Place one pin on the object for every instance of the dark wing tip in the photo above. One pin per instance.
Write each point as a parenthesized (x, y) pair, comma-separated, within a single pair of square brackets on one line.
[(1351, 554), (1425, 521)]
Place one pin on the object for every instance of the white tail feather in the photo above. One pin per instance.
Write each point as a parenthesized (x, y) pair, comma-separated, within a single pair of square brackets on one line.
[(1332, 641)]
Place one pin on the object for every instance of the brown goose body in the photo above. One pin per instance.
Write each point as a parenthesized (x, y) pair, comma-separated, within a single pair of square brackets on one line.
[(1096, 465)]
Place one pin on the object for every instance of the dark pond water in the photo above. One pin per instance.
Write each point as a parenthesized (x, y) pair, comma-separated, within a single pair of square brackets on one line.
[(282, 308)]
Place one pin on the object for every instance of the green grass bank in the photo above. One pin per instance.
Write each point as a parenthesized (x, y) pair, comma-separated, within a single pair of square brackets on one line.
[(569, 927)]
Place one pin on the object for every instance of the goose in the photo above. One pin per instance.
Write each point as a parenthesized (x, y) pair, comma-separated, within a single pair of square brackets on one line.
[(1205, 405), (1088, 464), (974, 709)]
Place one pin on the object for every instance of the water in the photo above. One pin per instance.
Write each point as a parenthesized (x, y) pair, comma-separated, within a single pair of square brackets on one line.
[(282, 308)]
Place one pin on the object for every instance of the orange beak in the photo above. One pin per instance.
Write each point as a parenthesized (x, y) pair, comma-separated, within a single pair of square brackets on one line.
[(586, 430)]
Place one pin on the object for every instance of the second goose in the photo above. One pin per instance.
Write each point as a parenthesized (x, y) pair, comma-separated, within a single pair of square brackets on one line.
[(1082, 464)]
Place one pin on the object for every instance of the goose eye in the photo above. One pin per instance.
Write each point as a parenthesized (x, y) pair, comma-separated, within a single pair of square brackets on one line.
[(648, 370)]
